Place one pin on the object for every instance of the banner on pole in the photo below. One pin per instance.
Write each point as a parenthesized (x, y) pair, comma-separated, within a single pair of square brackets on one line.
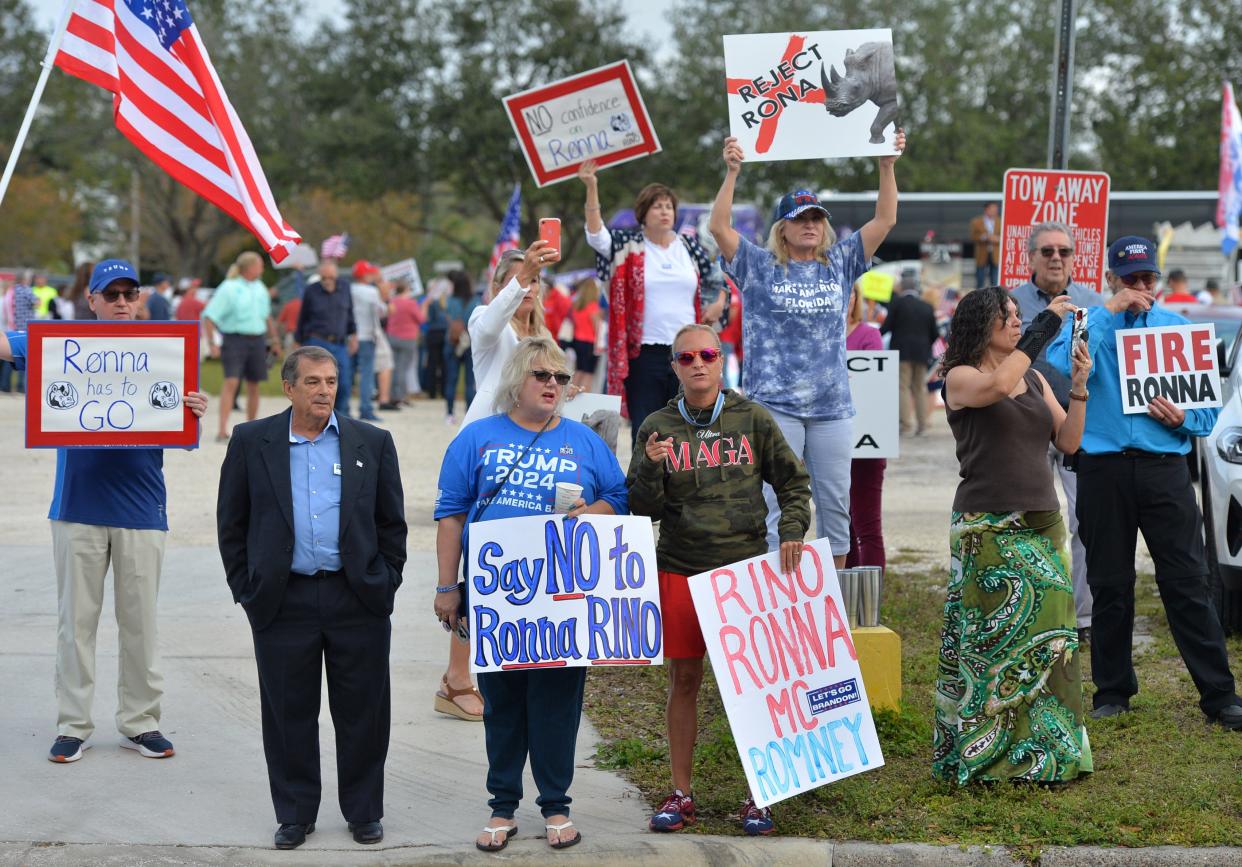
[(874, 382), (787, 100), (550, 592), (99, 384), (1176, 362), (597, 115), (1078, 199), (788, 672)]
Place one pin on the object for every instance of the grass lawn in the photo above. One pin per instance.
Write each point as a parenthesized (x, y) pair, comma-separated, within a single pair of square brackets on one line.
[(211, 376), (1162, 774)]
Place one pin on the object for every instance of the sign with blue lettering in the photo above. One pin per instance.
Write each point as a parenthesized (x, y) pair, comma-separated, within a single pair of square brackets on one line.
[(549, 592), (100, 384), (788, 672), (597, 115)]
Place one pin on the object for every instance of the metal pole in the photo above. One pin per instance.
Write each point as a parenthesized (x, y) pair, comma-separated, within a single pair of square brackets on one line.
[(1062, 86), (135, 215), (49, 60)]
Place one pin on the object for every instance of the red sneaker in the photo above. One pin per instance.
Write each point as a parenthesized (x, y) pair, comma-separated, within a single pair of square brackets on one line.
[(675, 813)]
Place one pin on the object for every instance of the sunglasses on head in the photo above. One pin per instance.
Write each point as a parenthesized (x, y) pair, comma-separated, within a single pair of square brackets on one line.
[(685, 359), (1065, 252), (111, 295), (1146, 277), (562, 379)]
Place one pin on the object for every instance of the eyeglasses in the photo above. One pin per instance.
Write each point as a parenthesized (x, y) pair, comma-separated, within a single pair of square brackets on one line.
[(685, 359), (111, 295), (562, 379), (1065, 252), (1145, 277)]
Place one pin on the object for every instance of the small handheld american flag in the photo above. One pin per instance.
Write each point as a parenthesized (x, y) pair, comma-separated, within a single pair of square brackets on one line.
[(510, 235)]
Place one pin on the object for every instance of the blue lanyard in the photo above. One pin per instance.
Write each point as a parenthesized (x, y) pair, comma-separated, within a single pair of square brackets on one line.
[(681, 407)]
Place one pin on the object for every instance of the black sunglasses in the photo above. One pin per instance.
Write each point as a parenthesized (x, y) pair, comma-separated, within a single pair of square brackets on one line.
[(562, 379), (111, 295), (1065, 252)]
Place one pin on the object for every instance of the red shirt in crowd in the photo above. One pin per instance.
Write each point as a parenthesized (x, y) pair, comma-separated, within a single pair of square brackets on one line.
[(405, 318), (288, 318), (584, 322), (189, 308), (556, 306)]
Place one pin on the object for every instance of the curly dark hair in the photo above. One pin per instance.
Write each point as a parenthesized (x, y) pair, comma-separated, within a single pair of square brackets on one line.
[(972, 324)]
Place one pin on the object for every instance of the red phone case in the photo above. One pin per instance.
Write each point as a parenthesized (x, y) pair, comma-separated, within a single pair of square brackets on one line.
[(550, 231)]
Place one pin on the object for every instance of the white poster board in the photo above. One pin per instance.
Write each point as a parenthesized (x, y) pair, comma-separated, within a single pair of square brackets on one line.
[(875, 378), (406, 269), (548, 591), (788, 673), (1176, 362), (816, 95), (588, 403)]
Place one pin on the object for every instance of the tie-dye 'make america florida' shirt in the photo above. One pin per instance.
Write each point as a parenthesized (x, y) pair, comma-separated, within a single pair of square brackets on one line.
[(793, 328)]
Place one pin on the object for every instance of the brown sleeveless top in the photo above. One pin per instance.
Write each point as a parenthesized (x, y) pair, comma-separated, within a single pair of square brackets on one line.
[(1002, 451)]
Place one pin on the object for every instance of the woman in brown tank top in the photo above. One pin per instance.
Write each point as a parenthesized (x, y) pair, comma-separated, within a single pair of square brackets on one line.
[(1008, 686)]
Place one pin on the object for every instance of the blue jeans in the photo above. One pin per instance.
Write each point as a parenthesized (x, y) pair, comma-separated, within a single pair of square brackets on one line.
[(452, 364), (6, 376), (986, 275), (365, 363), (343, 374), (826, 448)]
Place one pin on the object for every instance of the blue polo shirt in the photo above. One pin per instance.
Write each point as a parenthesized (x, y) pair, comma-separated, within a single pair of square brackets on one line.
[(315, 475), (1108, 429)]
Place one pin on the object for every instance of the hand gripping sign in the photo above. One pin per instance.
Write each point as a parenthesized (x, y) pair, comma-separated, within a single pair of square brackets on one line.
[(788, 672), (110, 384), (597, 115), (1176, 362), (550, 592), (1077, 199)]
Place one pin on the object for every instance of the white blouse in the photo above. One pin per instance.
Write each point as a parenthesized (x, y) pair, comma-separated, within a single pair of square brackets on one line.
[(492, 341), (670, 279)]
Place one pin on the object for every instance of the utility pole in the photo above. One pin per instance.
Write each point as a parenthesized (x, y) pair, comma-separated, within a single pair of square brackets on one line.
[(1062, 86)]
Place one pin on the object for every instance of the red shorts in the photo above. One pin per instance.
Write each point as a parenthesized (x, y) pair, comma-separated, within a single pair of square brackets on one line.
[(682, 637)]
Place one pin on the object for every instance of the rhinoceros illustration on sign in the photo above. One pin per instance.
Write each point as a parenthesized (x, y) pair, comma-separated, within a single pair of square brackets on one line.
[(869, 75)]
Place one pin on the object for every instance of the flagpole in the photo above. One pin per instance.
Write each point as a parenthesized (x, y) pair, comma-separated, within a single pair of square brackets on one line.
[(49, 60)]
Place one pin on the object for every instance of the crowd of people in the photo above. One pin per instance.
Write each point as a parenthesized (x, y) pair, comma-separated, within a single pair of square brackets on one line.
[(312, 526)]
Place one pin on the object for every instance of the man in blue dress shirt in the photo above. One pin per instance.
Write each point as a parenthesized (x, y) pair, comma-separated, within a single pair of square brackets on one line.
[(1133, 476), (311, 526)]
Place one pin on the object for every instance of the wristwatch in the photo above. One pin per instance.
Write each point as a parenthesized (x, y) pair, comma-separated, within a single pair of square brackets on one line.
[(1082, 397)]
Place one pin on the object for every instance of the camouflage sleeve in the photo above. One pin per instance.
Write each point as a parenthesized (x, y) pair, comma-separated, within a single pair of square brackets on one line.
[(788, 476), (645, 480)]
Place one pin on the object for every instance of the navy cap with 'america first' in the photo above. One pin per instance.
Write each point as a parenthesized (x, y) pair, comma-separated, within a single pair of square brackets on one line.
[(111, 269), (1132, 254)]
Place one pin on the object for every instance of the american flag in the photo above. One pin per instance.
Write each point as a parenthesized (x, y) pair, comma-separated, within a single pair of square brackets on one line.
[(1229, 205), (169, 102), (510, 236), (334, 247)]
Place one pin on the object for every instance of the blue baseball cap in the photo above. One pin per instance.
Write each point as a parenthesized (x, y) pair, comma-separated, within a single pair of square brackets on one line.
[(795, 203), (1131, 254), (109, 270)]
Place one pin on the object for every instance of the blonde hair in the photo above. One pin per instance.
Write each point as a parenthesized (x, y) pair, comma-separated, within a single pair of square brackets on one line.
[(508, 261), (856, 311), (692, 327), (250, 257), (778, 248), (588, 293), (529, 351)]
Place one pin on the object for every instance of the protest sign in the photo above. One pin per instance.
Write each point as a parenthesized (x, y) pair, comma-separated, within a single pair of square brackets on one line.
[(1078, 199), (597, 115), (110, 384), (787, 100), (549, 591), (874, 382), (406, 269), (1176, 362), (588, 403), (788, 672)]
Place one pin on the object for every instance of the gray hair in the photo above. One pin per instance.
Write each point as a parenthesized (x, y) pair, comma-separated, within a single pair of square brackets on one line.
[(507, 261), (289, 370), (1032, 240), (519, 366)]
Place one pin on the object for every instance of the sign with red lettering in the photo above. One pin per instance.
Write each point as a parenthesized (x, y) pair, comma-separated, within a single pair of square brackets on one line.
[(788, 672), (810, 96), (1077, 199), (98, 384), (1176, 362), (597, 115)]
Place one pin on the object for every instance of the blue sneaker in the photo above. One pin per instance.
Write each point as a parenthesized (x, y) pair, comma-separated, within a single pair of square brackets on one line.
[(153, 745), (675, 813), (67, 749), (756, 822)]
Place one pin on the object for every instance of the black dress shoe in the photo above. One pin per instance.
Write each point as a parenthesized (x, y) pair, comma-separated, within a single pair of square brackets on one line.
[(291, 836), (367, 832), (1104, 711), (1230, 718)]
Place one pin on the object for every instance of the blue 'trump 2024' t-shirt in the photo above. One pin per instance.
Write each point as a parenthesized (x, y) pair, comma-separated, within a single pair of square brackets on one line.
[(794, 328)]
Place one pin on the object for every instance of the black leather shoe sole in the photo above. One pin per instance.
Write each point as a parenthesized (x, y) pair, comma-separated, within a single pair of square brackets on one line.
[(367, 832), (1106, 710), (293, 836), (1230, 718)]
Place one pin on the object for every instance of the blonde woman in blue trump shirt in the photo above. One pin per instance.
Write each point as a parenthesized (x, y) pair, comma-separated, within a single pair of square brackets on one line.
[(1133, 476)]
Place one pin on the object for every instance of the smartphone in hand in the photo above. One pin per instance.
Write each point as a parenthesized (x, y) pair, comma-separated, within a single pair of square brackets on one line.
[(550, 231), (1080, 327)]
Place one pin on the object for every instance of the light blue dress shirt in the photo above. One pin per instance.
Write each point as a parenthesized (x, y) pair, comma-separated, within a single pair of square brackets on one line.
[(315, 474), (1108, 429)]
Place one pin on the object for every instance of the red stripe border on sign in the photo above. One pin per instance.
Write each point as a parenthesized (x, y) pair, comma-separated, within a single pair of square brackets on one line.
[(620, 662), (518, 666), (185, 437)]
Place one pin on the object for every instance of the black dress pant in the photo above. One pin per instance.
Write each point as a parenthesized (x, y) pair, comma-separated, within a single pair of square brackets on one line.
[(323, 620), (650, 384), (1118, 496)]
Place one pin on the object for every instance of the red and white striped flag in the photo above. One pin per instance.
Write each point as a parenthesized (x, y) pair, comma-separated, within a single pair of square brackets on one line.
[(168, 101)]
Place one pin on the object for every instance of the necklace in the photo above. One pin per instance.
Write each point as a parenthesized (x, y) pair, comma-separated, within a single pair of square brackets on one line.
[(698, 413)]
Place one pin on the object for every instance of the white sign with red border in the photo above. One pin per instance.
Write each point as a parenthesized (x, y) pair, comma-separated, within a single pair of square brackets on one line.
[(1176, 362), (1078, 199), (98, 384), (597, 115)]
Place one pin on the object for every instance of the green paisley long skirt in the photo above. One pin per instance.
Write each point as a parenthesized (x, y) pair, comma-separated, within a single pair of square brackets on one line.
[(1009, 687)]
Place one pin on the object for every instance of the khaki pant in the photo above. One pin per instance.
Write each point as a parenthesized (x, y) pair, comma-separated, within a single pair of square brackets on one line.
[(913, 390), (83, 553)]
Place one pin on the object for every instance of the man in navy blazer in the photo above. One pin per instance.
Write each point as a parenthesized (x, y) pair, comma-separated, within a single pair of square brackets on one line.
[(311, 526)]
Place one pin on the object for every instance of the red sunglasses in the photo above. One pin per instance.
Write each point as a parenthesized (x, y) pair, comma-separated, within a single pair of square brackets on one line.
[(685, 359)]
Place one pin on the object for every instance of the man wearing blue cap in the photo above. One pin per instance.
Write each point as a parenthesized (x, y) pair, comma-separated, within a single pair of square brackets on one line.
[(109, 507), (1133, 476)]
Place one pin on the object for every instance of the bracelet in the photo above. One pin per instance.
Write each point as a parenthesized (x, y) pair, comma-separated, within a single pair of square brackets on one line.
[(1081, 397), (591, 207), (446, 588)]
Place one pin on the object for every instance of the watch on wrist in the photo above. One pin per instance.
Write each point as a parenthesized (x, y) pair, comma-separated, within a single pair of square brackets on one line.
[(1082, 397)]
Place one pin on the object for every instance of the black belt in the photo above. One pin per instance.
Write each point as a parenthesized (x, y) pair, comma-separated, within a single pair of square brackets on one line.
[(328, 338), (1133, 453), (322, 573)]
